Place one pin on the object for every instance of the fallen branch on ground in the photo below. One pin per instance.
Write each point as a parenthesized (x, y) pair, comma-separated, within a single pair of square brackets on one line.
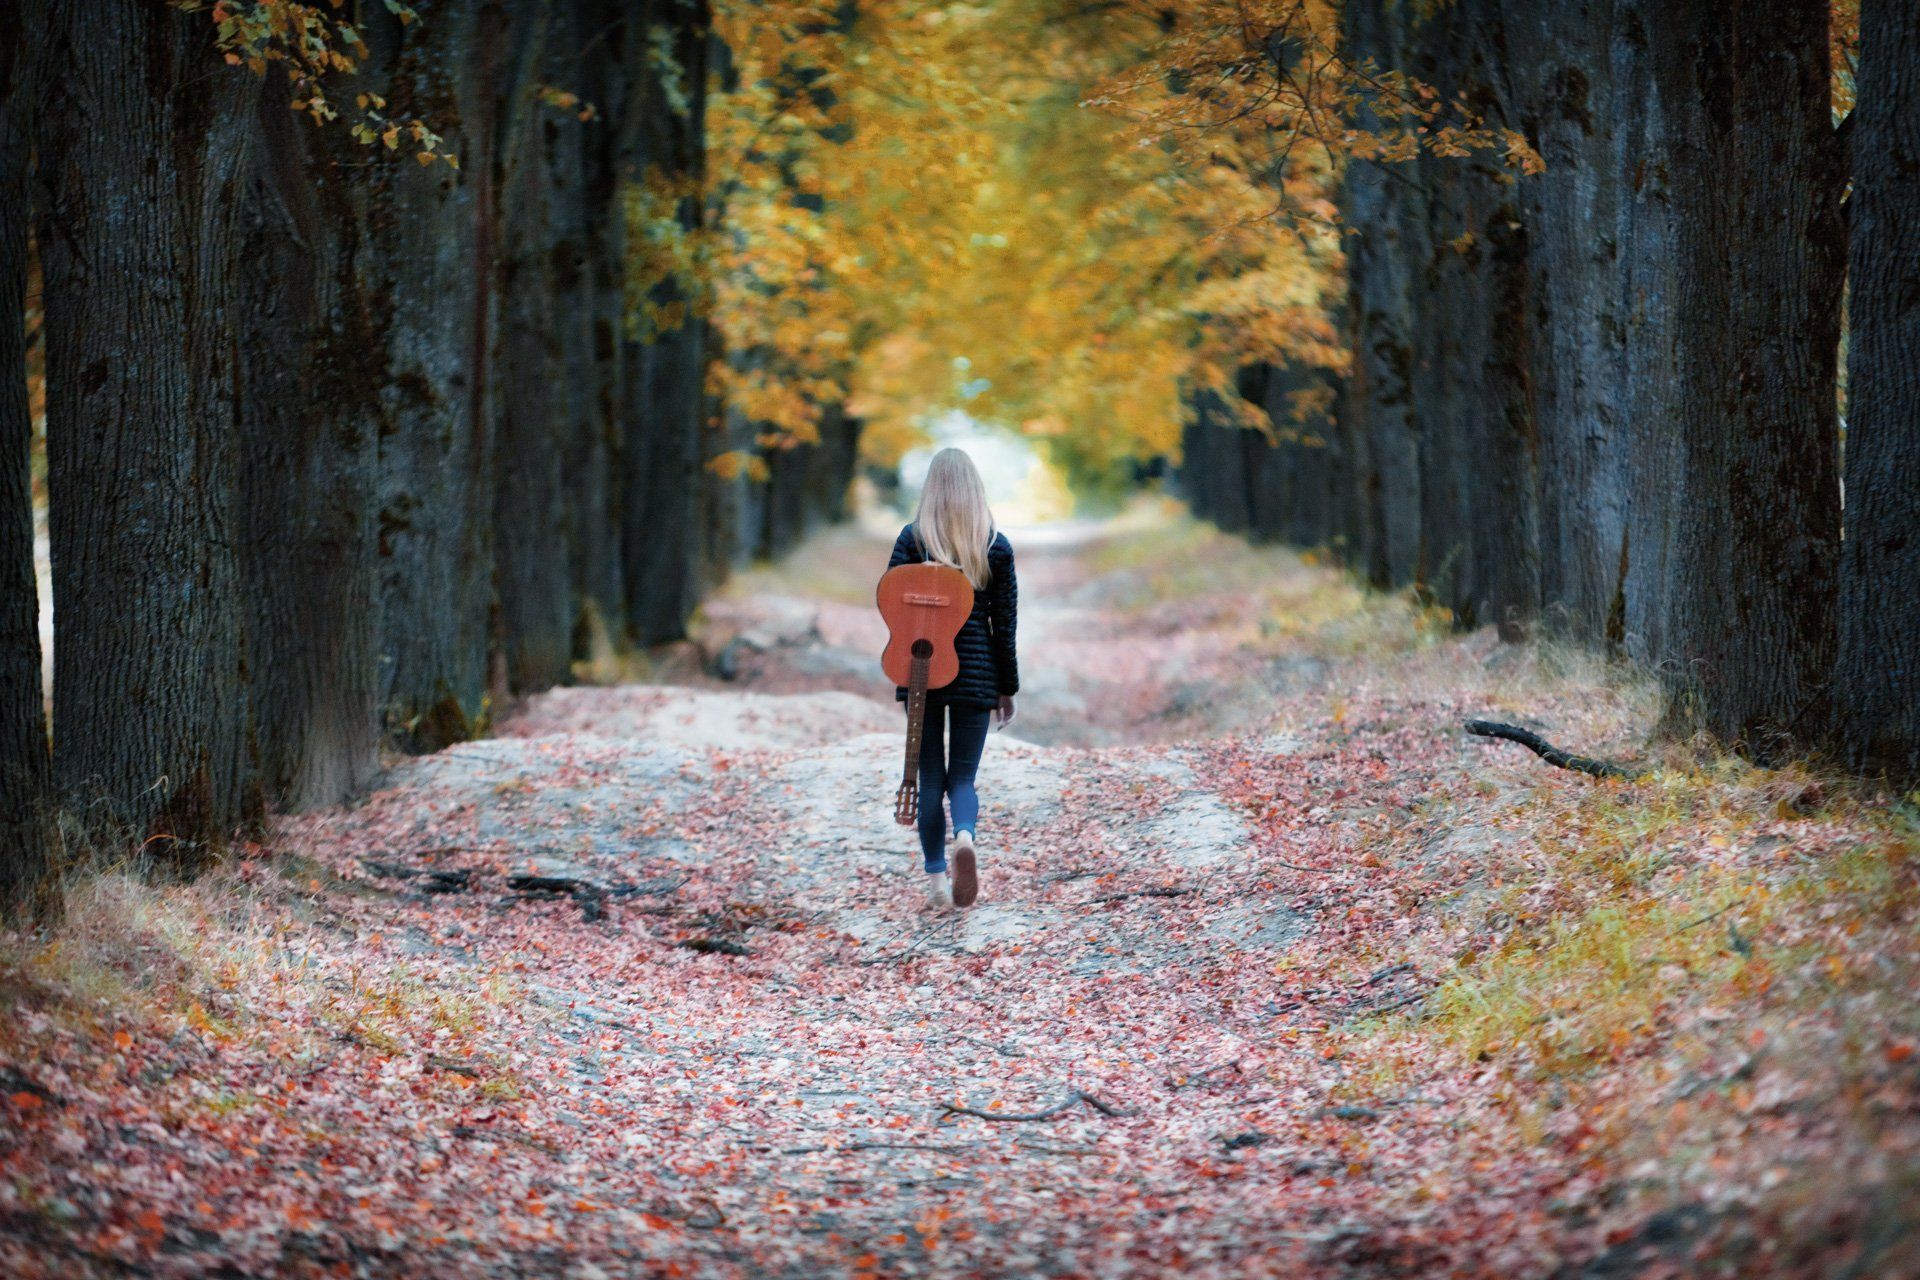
[(1073, 1099), (1388, 972), (1551, 754), (1140, 893), (1389, 1008), (1204, 1076), (944, 1147)]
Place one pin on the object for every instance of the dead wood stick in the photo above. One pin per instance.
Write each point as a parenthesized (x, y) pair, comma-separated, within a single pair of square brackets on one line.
[(1205, 1075), (1547, 751), (1173, 892), (947, 1147), (1388, 972), (1073, 1099)]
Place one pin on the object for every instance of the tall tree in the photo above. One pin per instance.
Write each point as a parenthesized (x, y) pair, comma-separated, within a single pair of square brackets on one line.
[(1564, 62), (1471, 374), (589, 309), (433, 258), (1384, 209), (23, 726), (1734, 525), (666, 523), (146, 139), (532, 402), (309, 417), (1876, 682)]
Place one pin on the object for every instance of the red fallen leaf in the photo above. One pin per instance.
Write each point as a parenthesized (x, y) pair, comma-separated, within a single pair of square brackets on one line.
[(1900, 1051), (121, 1040), (25, 1101), (151, 1222)]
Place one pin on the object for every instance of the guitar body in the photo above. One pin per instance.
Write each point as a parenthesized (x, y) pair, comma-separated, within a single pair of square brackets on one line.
[(924, 606)]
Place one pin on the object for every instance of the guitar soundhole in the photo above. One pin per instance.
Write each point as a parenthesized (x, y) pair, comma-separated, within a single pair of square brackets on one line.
[(923, 648)]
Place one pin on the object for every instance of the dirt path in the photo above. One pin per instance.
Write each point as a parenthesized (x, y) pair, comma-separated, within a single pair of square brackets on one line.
[(643, 985), (762, 1042)]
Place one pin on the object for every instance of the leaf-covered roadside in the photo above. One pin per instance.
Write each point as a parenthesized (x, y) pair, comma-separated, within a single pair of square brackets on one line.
[(1330, 990)]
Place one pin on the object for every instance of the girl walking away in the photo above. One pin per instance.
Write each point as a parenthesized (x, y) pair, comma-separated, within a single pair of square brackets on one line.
[(954, 527)]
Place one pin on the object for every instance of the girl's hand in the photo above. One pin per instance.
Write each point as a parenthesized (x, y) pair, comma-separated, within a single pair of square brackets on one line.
[(1006, 711)]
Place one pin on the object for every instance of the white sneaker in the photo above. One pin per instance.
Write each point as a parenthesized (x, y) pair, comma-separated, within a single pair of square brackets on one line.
[(939, 891)]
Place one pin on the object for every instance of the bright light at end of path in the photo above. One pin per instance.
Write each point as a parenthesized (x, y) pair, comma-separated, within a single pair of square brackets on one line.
[(1022, 486)]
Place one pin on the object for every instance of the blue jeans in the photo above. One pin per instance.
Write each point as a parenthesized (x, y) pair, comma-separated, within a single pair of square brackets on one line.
[(947, 770)]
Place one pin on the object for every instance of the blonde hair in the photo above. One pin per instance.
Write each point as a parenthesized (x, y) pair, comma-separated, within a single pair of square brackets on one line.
[(953, 523)]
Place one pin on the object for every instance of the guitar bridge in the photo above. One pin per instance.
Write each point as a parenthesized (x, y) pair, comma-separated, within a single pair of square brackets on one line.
[(932, 602)]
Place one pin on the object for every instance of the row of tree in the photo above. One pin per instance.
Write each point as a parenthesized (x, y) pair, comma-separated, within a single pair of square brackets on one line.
[(349, 431), (1601, 393)]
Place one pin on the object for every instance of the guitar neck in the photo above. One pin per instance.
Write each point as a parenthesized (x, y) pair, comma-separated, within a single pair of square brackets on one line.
[(916, 717)]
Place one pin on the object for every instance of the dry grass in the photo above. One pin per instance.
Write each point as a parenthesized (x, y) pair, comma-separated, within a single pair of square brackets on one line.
[(195, 958)]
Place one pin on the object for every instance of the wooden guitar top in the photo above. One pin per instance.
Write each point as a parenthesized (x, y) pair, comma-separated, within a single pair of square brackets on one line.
[(923, 604)]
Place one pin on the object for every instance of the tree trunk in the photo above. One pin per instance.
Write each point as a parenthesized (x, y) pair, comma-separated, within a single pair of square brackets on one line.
[(1565, 60), (23, 726), (145, 148), (589, 306), (309, 414), (1736, 527), (1213, 469), (532, 548), (1298, 471), (433, 236), (831, 465), (1877, 673), (1466, 267), (1384, 209), (667, 534)]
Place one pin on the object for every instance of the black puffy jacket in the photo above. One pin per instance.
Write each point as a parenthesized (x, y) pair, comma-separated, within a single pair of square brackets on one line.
[(988, 666)]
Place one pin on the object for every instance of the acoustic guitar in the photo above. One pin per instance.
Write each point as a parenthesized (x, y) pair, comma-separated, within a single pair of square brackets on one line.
[(924, 606)]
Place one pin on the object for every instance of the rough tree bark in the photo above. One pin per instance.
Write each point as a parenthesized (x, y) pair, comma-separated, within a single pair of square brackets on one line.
[(434, 241), (1735, 529), (308, 415), (23, 725), (589, 306), (530, 513), (1876, 684), (1385, 208), (144, 149), (1563, 63), (664, 528), (1441, 288)]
